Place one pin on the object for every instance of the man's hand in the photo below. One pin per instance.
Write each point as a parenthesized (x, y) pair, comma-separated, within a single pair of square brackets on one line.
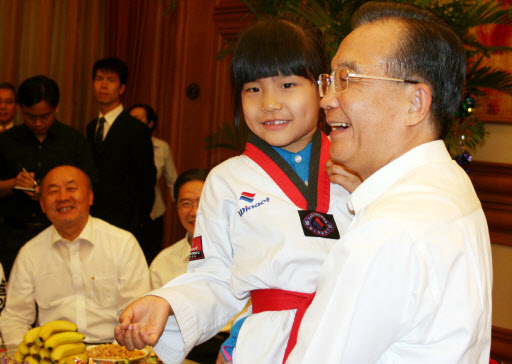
[(343, 176), (142, 322), (24, 179)]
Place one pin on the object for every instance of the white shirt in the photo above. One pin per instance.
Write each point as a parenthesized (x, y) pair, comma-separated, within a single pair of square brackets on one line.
[(88, 281), (411, 280), (164, 164), (169, 263), (110, 117)]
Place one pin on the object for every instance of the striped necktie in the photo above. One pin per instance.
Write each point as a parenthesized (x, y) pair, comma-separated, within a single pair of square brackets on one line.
[(98, 138)]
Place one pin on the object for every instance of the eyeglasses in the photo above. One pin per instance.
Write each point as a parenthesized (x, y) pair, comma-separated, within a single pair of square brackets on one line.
[(188, 204), (341, 77)]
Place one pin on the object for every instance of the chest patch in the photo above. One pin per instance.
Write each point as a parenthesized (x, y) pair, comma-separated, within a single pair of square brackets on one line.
[(318, 224), (196, 251)]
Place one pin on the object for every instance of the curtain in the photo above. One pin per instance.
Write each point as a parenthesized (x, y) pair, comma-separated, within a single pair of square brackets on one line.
[(60, 39)]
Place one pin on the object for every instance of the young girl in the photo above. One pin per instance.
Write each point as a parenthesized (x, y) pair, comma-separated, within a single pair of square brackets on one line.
[(267, 218)]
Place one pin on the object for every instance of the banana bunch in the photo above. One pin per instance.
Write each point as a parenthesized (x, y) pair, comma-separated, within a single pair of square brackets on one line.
[(56, 342)]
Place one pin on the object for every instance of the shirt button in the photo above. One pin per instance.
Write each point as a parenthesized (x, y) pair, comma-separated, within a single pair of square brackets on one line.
[(306, 183), (298, 158)]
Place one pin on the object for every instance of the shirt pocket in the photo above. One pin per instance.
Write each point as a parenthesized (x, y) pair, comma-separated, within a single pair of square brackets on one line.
[(104, 290)]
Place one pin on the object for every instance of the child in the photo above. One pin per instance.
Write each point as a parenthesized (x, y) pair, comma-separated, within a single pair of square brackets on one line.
[(267, 218)]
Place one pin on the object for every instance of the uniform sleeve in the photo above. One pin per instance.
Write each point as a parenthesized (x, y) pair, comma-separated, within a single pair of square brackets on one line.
[(20, 309), (371, 282), (133, 273), (169, 170), (202, 299)]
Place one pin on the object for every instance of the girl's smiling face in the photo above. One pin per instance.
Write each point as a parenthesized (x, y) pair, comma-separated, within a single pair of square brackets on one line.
[(282, 110)]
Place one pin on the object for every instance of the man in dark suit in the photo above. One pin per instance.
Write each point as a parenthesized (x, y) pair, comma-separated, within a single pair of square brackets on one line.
[(123, 153)]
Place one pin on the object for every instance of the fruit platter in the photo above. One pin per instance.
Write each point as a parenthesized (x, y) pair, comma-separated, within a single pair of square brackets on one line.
[(59, 342)]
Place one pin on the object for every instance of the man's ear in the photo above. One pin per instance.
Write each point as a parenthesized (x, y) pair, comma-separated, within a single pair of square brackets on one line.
[(42, 206), (122, 89), (420, 98)]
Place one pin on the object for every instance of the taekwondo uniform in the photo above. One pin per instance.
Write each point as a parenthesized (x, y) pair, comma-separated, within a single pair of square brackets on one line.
[(259, 230)]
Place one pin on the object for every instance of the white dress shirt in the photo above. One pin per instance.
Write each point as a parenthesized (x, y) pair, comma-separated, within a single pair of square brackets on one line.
[(88, 281), (411, 280), (110, 117), (164, 164), (170, 263)]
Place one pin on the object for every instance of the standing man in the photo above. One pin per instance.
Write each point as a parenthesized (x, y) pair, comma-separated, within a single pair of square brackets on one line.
[(7, 106), (80, 269), (27, 153), (123, 152), (411, 279)]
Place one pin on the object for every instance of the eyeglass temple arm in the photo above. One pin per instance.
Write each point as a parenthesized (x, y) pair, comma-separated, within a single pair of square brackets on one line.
[(356, 75)]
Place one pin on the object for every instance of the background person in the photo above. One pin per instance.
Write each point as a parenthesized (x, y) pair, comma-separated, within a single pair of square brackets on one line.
[(173, 260), (123, 153), (411, 279), (27, 153), (152, 235), (79, 269), (8, 106)]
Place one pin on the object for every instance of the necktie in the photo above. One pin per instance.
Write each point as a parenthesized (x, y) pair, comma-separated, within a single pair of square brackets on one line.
[(98, 138)]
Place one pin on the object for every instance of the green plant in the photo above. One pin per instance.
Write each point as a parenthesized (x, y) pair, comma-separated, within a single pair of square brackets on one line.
[(333, 18)]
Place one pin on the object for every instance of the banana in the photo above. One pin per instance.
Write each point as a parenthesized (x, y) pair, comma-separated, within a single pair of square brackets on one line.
[(31, 336), (53, 327), (71, 358), (64, 350), (23, 348), (62, 338), (45, 361), (18, 356), (44, 354), (30, 360), (34, 350)]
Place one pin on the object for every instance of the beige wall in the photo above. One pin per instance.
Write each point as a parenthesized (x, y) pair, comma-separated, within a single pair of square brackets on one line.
[(498, 148)]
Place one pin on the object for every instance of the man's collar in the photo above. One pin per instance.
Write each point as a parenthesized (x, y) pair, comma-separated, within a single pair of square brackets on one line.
[(379, 182), (7, 126), (86, 234), (112, 115)]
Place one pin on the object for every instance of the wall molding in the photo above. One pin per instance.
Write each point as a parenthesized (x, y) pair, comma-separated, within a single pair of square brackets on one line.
[(493, 185), (501, 343)]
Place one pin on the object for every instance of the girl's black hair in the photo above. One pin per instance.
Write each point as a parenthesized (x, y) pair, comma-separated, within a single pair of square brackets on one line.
[(275, 46)]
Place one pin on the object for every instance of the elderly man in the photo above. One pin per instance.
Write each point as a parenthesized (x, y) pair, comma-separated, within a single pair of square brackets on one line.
[(410, 282), (80, 269), (27, 152)]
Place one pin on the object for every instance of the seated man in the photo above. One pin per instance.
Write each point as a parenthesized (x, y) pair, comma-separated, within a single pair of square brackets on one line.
[(173, 261), (80, 269)]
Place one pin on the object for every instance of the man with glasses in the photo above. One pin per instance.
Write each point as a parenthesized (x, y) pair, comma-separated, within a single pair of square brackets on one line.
[(411, 279), (27, 152)]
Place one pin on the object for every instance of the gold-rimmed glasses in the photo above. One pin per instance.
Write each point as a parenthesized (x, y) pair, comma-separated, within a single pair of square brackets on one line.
[(341, 77)]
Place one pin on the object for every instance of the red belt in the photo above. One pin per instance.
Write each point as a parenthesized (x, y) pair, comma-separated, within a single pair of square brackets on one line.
[(280, 300)]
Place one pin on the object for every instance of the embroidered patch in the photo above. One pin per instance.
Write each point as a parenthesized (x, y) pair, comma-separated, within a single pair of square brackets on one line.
[(246, 196), (317, 224), (196, 251)]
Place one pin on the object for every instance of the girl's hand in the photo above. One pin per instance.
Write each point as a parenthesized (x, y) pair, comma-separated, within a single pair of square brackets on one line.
[(343, 176)]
